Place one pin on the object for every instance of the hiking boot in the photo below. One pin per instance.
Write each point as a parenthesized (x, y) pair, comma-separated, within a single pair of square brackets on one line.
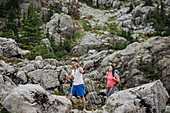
[(85, 111)]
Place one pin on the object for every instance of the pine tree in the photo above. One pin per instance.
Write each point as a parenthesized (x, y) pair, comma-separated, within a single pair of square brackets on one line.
[(148, 3), (43, 17), (131, 8), (2, 11), (163, 15), (10, 29), (50, 13), (30, 32)]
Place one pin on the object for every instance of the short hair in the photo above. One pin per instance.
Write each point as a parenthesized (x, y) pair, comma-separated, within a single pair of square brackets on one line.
[(74, 60)]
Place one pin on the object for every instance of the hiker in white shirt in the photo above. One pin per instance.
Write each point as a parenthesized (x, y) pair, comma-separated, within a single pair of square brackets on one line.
[(78, 85)]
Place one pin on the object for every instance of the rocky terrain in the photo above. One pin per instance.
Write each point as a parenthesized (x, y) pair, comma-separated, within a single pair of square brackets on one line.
[(98, 40)]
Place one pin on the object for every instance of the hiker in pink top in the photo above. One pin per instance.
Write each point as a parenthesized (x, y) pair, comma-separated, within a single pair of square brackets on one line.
[(111, 80)]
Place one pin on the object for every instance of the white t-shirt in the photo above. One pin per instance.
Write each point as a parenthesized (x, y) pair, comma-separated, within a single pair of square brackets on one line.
[(77, 77)]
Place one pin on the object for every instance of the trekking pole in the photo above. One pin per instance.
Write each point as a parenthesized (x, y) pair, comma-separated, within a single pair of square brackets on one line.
[(64, 78)]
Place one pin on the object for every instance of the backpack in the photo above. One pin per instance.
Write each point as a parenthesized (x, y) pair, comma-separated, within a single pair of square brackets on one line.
[(116, 83)]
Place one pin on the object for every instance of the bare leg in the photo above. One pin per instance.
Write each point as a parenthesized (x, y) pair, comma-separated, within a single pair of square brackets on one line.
[(69, 96), (84, 102)]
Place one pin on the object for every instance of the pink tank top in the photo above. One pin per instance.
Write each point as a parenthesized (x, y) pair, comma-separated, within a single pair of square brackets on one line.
[(110, 81)]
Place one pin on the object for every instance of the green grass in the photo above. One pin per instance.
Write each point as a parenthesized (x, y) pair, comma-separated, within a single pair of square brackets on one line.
[(77, 34), (118, 46), (60, 93), (149, 71), (86, 25), (97, 28), (113, 29), (11, 60), (110, 52), (100, 28), (101, 48), (4, 111), (78, 54), (144, 36), (138, 13), (143, 81), (104, 84), (112, 18)]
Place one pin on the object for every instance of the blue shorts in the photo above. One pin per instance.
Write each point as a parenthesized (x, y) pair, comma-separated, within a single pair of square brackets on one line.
[(77, 90)]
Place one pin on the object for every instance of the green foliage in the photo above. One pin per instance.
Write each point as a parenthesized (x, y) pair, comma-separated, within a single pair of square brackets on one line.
[(67, 45), (161, 21), (58, 8), (138, 13), (89, 3), (12, 4), (49, 14), (62, 49), (31, 35), (86, 25), (130, 8), (10, 60), (127, 35), (4, 111), (148, 3), (5, 8), (144, 36), (112, 18), (60, 93), (143, 81), (100, 28), (39, 50), (11, 15), (148, 69), (2, 11), (10, 29), (101, 48), (78, 54), (113, 29), (77, 34), (118, 46), (43, 17), (73, 10)]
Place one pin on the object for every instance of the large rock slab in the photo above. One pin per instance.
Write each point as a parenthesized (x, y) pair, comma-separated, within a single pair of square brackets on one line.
[(6, 86), (34, 99), (148, 98), (92, 41), (155, 50), (9, 48), (60, 24)]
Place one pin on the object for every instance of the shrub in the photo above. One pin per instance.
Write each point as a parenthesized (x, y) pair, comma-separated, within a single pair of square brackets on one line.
[(112, 18), (148, 3), (118, 46), (148, 69), (161, 21), (86, 25), (4, 111), (138, 13), (127, 35), (77, 34), (49, 14), (58, 8), (130, 8)]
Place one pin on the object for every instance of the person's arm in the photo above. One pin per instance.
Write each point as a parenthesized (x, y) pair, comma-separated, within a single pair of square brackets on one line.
[(116, 79), (106, 75), (81, 70), (70, 77)]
